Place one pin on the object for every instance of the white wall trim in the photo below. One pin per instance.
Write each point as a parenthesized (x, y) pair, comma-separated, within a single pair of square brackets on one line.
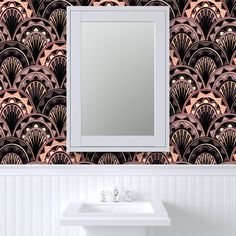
[(119, 170), (79, 142)]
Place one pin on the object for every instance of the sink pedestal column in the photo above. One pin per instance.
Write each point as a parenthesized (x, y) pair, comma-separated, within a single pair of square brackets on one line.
[(115, 231)]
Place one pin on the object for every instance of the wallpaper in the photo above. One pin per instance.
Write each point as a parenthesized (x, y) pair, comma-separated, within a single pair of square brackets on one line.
[(33, 83)]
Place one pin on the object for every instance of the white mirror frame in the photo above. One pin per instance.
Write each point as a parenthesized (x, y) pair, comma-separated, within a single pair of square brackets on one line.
[(160, 140)]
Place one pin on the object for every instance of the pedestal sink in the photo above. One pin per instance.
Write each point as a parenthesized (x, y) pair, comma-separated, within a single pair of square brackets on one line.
[(115, 219)]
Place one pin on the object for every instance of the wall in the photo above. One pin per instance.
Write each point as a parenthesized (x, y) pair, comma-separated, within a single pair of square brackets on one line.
[(33, 83), (200, 201)]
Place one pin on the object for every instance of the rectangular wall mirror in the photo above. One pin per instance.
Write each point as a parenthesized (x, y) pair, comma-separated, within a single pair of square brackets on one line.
[(117, 79)]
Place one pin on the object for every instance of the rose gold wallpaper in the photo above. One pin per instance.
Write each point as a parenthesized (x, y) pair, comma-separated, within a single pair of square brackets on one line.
[(33, 83)]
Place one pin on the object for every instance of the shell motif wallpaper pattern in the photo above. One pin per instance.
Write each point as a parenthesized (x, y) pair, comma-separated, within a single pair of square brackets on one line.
[(33, 83)]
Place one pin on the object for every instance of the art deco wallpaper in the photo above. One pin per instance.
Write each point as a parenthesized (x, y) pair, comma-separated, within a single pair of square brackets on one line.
[(33, 83)]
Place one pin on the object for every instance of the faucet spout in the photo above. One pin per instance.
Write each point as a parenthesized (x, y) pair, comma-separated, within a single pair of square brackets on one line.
[(116, 195)]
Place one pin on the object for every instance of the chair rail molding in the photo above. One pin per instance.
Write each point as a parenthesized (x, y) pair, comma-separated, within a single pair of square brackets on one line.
[(119, 170)]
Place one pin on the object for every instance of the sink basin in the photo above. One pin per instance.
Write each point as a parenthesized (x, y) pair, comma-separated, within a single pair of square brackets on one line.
[(116, 208), (115, 214)]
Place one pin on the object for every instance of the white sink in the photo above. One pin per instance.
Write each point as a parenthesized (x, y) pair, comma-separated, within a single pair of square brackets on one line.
[(111, 218), (116, 208)]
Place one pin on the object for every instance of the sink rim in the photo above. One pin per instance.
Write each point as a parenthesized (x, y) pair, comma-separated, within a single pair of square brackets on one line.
[(71, 216), (139, 210)]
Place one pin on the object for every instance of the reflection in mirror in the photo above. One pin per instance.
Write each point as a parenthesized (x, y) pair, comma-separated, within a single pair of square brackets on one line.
[(117, 78)]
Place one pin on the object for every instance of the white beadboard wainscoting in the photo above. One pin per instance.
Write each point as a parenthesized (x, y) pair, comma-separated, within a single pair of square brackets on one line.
[(201, 200)]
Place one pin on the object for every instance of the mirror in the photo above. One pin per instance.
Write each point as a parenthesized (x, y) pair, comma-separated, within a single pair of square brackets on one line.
[(111, 103), (117, 79)]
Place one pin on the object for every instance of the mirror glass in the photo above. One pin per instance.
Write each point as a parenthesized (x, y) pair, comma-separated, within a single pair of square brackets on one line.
[(117, 78)]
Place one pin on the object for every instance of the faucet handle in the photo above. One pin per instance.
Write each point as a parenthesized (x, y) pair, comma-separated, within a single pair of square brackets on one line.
[(103, 196), (128, 196)]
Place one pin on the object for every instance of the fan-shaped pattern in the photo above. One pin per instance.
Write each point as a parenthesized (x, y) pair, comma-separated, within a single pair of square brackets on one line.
[(202, 83)]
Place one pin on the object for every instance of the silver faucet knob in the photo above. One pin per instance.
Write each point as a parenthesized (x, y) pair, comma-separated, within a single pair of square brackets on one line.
[(128, 196), (103, 196)]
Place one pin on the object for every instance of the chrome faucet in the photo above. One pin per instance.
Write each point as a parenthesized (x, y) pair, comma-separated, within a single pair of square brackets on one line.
[(116, 195)]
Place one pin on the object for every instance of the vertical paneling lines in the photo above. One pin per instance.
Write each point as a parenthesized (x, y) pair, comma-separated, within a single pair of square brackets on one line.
[(197, 205)]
